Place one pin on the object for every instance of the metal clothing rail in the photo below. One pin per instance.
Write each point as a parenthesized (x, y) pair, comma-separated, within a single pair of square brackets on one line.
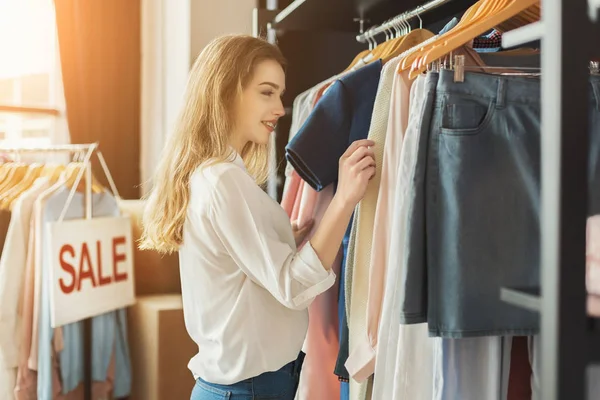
[(69, 148), (404, 17)]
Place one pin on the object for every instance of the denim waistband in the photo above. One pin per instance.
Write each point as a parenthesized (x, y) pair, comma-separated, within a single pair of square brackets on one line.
[(502, 89), (294, 367)]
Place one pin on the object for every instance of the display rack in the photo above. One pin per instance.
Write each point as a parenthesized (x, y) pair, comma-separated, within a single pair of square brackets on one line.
[(570, 339), (88, 149)]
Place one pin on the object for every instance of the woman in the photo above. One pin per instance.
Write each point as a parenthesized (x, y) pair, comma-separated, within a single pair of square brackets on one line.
[(245, 286)]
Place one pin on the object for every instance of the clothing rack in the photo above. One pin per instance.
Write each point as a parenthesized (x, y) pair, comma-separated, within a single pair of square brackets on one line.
[(569, 338), (404, 17), (569, 342), (89, 149), (67, 148)]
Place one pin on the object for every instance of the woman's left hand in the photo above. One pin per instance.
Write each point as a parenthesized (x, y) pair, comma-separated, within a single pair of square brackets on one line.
[(300, 233)]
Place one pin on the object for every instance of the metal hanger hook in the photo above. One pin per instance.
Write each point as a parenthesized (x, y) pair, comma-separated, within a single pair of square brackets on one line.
[(390, 28), (420, 21), (396, 24), (386, 30), (404, 25)]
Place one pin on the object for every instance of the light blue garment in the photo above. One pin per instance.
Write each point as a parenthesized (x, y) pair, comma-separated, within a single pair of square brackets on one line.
[(344, 391), (123, 362), (451, 24), (475, 368), (488, 50), (104, 327), (103, 340)]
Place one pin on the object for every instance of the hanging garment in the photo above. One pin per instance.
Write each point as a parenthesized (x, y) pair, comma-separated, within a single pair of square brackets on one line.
[(593, 264), (362, 359), (344, 111), (406, 358), (474, 368), (410, 364), (361, 362), (317, 382), (489, 43), (37, 224), (26, 385), (8, 378), (12, 277), (483, 148), (342, 352), (534, 345), (520, 376), (104, 327)]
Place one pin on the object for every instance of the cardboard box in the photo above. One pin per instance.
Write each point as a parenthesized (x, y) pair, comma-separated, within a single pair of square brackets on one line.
[(154, 273), (160, 349)]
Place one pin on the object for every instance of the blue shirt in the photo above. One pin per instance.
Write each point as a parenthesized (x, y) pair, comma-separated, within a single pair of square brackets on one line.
[(340, 117)]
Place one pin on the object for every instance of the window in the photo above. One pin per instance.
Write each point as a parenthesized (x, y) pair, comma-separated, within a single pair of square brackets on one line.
[(31, 93)]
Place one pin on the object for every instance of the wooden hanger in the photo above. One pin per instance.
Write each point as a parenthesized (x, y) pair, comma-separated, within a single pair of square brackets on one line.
[(532, 14), (97, 187), (33, 172), (493, 12), (16, 174), (375, 54), (470, 14), (408, 41), (475, 15), (380, 50), (69, 176), (396, 43), (5, 169), (53, 171), (358, 57), (521, 51)]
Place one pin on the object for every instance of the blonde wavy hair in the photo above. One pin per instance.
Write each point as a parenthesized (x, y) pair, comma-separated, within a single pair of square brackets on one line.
[(220, 73)]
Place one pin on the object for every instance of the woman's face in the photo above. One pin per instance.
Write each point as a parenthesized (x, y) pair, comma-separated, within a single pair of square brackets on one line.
[(259, 107)]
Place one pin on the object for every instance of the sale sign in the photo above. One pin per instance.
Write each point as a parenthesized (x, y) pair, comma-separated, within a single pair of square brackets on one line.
[(91, 268)]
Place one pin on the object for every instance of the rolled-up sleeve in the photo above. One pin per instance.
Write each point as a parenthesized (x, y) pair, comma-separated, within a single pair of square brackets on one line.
[(257, 234)]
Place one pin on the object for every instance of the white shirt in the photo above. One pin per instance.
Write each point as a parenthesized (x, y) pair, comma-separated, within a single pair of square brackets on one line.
[(245, 287), (12, 273), (407, 359)]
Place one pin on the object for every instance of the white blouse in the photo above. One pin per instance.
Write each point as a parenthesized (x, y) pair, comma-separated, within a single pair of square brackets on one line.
[(245, 286)]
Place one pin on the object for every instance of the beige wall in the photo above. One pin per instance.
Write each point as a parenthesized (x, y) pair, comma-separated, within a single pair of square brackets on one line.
[(211, 18), (173, 34)]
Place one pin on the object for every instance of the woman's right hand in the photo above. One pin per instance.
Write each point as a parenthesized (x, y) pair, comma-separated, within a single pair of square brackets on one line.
[(357, 167)]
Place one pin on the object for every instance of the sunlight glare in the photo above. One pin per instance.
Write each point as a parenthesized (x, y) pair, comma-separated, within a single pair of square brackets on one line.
[(27, 28)]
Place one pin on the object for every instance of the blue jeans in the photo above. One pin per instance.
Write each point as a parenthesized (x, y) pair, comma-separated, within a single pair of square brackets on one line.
[(278, 385)]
